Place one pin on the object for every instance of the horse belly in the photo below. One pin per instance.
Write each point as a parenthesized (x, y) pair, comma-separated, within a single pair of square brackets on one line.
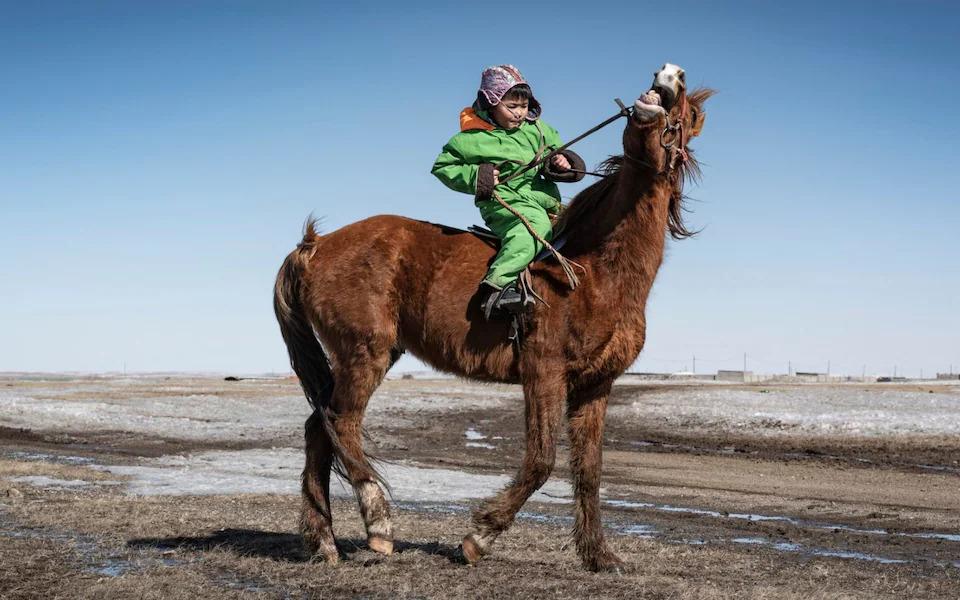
[(442, 325)]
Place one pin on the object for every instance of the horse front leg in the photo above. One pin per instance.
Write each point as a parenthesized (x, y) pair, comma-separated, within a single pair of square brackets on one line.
[(543, 394), (586, 411)]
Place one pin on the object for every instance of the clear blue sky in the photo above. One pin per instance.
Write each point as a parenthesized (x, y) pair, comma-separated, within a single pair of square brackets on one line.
[(157, 160)]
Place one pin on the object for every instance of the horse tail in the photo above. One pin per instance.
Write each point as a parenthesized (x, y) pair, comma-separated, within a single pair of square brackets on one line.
[(307, 357)]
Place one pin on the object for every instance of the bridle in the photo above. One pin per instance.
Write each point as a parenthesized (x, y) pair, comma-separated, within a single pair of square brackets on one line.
[(677, 147)]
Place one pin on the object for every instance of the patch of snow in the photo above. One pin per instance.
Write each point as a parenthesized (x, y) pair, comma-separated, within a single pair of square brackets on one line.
[(51, 482), (801, 410), (277, 471)]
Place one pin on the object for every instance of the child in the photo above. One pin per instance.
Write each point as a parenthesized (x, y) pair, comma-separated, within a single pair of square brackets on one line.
[(498, 136)]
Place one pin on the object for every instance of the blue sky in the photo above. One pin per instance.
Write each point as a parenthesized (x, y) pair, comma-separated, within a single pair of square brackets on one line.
[(157, 160)]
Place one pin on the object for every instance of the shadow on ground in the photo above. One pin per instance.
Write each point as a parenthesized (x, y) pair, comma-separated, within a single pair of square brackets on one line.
[(284, 547)]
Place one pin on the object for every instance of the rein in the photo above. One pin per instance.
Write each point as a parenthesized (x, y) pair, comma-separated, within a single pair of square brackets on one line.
[(624, 112)]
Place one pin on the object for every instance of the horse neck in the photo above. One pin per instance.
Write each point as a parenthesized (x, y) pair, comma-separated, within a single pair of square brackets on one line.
[(633, 249)]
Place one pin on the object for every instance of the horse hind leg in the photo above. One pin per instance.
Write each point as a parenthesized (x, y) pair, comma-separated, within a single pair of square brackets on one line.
[(586, 410), (316, 520), (357, 378)]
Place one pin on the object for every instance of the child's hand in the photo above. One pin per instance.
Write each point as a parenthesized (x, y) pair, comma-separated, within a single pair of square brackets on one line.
[(496, 177), (561, 163)]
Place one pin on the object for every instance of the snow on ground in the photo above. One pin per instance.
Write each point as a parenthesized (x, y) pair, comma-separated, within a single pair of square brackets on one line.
[(277, 471), (272, 410), (51, 482), (208, 411), (870, 410), (213, 410), (174, 416)]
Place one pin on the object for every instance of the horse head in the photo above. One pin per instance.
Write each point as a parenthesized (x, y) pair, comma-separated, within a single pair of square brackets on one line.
[(664, 120)]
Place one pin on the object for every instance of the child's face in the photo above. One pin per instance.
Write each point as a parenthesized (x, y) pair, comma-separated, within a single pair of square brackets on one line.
[(510, 112)]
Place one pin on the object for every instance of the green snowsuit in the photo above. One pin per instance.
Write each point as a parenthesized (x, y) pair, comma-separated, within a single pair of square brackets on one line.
[(530, 194)]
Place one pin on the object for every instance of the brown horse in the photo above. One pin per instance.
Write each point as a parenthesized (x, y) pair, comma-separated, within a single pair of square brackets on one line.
[(350, 302)]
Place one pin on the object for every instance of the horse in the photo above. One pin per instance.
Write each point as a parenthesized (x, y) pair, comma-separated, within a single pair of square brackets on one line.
[(350, 302)]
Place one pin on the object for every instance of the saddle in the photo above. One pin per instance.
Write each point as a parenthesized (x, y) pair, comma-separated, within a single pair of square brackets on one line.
[(489, 236), (518, 320)]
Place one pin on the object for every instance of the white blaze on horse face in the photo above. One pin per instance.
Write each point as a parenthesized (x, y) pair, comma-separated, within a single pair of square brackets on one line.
[(670, 77), (670, 80)]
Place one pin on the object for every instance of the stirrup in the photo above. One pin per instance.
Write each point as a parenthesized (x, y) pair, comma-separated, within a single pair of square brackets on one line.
[(519, 301)]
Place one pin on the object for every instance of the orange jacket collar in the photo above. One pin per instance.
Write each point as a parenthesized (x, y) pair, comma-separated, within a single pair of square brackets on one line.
[(470, 120)]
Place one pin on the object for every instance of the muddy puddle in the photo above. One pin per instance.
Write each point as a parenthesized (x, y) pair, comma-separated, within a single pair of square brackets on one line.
[(651, 532), (97, 558)]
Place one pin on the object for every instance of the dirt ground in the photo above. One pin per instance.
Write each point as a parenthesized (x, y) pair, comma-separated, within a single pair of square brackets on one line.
[(699, 511)]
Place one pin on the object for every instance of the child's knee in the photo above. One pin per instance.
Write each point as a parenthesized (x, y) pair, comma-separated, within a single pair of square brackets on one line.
[(540, 222)]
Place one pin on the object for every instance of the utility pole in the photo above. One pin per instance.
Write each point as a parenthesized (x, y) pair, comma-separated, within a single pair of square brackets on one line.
[(744, 363), (789, 367), (694, 364)]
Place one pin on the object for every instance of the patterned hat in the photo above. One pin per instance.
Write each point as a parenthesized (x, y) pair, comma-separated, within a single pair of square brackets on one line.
[(495, 82)]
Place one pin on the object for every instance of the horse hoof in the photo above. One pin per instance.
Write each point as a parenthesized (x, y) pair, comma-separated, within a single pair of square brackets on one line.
[(615, 569), (322, 550), (471, 550), (320, 557), (381, 546), (608, 563)]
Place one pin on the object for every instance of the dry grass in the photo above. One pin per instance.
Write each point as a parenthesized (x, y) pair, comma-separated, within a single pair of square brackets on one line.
[(34, 568), (245, 546), (16, 468)]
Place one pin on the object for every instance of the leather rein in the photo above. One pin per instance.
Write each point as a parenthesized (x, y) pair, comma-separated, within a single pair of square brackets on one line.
[(678, 152)]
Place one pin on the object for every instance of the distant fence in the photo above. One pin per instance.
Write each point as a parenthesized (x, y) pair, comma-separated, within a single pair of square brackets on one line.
[(751, 377)]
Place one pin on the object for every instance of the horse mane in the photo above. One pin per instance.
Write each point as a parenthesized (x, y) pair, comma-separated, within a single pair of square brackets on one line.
[(588, 199)]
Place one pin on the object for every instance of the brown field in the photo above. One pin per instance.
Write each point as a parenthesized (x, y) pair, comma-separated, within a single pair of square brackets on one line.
[(834, 516)]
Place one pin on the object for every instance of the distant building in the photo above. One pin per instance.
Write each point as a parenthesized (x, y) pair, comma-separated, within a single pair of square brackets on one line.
[(740, 376)]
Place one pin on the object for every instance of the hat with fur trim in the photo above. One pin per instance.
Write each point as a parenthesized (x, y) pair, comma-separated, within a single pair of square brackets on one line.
[(495, 82)]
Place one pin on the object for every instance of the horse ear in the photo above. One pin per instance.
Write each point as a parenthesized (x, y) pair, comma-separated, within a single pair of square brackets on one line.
[(698, 124)]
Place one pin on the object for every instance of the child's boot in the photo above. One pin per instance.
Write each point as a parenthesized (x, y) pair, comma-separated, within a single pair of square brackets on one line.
[(509, 300)]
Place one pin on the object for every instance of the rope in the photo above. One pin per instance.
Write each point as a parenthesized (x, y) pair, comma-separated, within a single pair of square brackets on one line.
[(568, 265), (624, 112), (539, 158)]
